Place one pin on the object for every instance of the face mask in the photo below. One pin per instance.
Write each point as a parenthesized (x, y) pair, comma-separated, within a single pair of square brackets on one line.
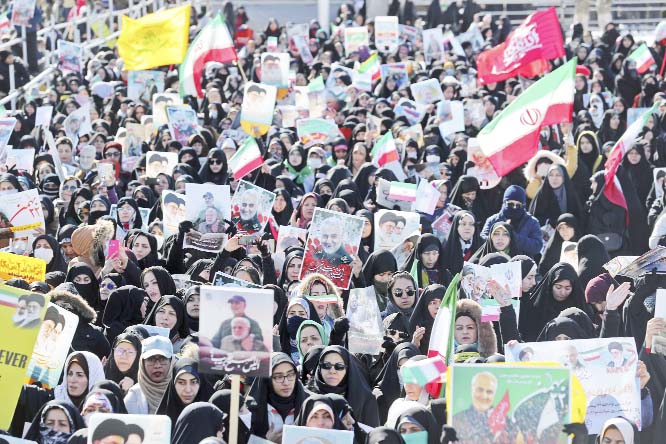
[(432, 158), (8, 192), (46, 254), (314, 163), (19, 247), (49, 436), (412, 154), (292, 325), (381, 287), (143, 203)]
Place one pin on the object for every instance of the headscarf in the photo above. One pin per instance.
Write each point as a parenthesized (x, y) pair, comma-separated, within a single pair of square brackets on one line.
[(91, 366), (197, 421), (308, 407), (41, 434), (192, 323), (385, 435), (89, 292), (558, 326), (624, 426), (283, 217), (122, 310), (151, 259), (421, 416), (153, 391), (311, 362), (111, 370), (550, 202), (263, 394), (388, 380), (488, 247), (592, 256), (454, 255), (362, 177), (180, 330), (205, 173), (58, 263), (421, 316), (553, 251), (171, 404), (113, 387), (164, 282), (428, 242), (136, 222), (392, 305)]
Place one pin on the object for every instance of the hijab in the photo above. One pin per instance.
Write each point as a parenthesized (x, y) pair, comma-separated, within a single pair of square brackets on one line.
[(553, 251), (89, 292), (192, 323), (164, 282), (207, 175), (550, 202), (263, 394), (122, 310), (58, 262), (488, 247), (171, 404), (284, 217), (421, 317), (222, 400), (153, 391), (421, 416), (91, 366), (362, 177), (312, 404), (388, 380), (180, 330), (197, 421), (592, 256), (456, 251), (310, 362), (41, 434), (136, 221), (428, 242), (111, 370), (559, 326), (384, 435), (151, 259), (113, 387)]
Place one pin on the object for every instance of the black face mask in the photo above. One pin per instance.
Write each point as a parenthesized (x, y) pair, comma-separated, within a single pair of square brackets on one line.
[(292, 325), (143, 203), (325, 198)]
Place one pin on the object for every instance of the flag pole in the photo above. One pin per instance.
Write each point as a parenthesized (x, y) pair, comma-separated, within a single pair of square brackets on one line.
[(240, 70)]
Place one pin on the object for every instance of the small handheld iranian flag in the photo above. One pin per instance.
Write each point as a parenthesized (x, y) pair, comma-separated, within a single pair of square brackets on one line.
[(424, 371), (402, 191), (246, 159), (643, 58), (371, 65), (4, 20), (212, 44), (385, 155), (512, 138)]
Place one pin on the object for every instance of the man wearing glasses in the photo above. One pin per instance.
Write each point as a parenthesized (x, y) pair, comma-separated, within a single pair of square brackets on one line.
[(526, 231)]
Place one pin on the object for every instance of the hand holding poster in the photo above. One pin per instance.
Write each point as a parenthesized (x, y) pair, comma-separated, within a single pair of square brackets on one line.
[(21, 313), (236, 331), (606, 368), (143, 85), (492, 287), (78, 123), (393, 227), (251, 207), (517, 400), (207, 207), (183, 123), (257, 108), (426, 92), (332, 245), (450, 117), (366, 332), (144, 429)]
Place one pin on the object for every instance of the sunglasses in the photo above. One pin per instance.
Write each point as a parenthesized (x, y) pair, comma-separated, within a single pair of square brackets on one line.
[(398, 292), (514, 205), (112, 154), (110, 286), (339, 366), (215, 162), (69, 187), (393, 332)]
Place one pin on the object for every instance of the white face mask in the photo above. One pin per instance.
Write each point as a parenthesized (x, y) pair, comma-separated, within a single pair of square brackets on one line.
[(19, 247), (46, 254), (314, 162)]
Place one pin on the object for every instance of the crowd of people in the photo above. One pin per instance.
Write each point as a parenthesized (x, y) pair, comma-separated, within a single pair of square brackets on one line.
[(116, 366)]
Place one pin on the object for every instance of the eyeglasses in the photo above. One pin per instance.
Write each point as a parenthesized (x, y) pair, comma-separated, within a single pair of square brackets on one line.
[(109, 286), (69, 187), (157, 360), (215, 162), (281, 378), (393, 332), (339, 366), (112, 154), (514, 205), (123, 352), (409, 292)]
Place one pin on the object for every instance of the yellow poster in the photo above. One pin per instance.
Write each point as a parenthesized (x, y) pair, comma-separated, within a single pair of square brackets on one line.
[(21, 313), (28, 268)]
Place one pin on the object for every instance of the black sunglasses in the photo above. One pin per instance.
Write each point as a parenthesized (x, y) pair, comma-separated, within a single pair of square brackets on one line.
[(339, 366), (514, 205), (398, 292), (393, 332), (215, 162)]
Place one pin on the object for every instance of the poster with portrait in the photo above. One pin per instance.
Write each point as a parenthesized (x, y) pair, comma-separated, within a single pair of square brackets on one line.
[(569, 254), (335, 84), (251, 207), (21, 159), (488, 285), (450, 117), (222, 279), (303, 49), (289, 114), (21, 313), (409, 34), (236, 330), (144, 212), (606, 368), (396, 70), (174, 211), (143, 85), (23, 213), (510, 401), (70, 56), (392, 227), (483, 170), (160, 103), (135, 134), (316, 131), (158, 162), (257, 109), (433, 44), (22, 12), (412, 111), (355, 37), (442, 225), (52, 346), (207, 207), (6, 128), (332, 244), (132, 429), (659, 174), (387, 33), (383, 199), (288, 236), (452, 42), (366, 333), (426, 92), (292, 434), (475, 113), (275, 69), (78, 123), (183, 123)]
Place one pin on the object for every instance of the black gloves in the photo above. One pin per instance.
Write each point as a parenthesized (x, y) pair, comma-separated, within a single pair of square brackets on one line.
[(184, 227), (340, 329), (578, 430)]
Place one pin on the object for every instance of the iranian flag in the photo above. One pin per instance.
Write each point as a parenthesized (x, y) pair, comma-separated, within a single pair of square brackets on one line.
[(402, 191), (371, 65), (212, 44), (385, 155), (643, 58), (612, 188), (512, 138), (4, 20), (246, 159), (424, 371)]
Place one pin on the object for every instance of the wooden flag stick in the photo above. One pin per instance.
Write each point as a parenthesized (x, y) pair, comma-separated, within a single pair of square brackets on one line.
[(234, 408)]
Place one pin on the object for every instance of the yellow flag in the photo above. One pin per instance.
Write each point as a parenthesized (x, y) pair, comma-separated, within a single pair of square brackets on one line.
[(155, 40)]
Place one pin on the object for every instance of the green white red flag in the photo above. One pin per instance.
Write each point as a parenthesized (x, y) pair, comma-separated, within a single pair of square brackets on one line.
[(212, 44), (247, 159), (643, 58), (512, 138), (385, 155), (424, 371)]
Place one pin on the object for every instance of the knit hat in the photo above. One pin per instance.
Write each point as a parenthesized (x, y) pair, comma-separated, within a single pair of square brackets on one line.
[(597, 288), (515, 192), (82, 239)]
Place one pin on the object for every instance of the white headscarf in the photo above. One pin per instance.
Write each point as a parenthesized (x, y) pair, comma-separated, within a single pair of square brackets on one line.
[(95, 374), (623, 425)]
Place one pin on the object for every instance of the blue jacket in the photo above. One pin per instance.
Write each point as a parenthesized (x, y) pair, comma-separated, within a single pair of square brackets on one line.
[(527, 235)]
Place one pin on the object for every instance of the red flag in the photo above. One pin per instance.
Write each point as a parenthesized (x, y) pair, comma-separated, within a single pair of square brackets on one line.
[(526, 50), (497, 417)]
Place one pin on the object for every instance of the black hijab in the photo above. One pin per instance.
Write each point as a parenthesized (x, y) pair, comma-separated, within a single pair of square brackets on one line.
[(283, 217), (421, 316), (113, 387), (561, 326), (362, 177), (421, 416), (151, 259), (205, 173), (164, 282), (138, 222), (385, 435), (309, 404), (197, 421), (111, 370), (488, 247), (180, 330), (280, 298), (388, 381), (592, 256), (311, 362), (222, 400), (553, 250), (89, 292), (123, 309), (75, 419), (171, 404), (453, 249), (58, 262), (263, 394), (192, 323), (549, 203), (425, 243)]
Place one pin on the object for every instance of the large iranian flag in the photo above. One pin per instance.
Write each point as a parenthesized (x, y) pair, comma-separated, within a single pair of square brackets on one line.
[(212, 44), (643, 58), (512, 138), (247, 159)]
